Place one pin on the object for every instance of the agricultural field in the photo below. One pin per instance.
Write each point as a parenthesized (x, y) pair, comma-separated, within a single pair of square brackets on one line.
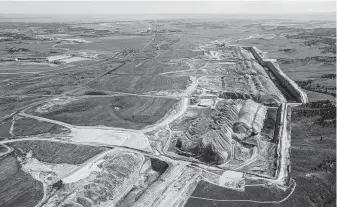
[(167, 112)]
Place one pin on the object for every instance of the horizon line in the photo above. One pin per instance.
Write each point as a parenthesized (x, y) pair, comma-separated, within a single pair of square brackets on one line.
[(324, 13)]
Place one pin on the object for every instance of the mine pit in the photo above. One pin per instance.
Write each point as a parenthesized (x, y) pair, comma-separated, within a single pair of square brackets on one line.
[(157, 113)]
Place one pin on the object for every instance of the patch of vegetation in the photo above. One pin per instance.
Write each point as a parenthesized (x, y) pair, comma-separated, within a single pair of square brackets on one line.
[(141, 83), (133, 112), (11, 36), (313, 154), (322, 113), (4, 129), (29, 127), (158, 165), (93, 93), (18, 188), (56, 152), (318, 36), (307, 60), (287, 50), (58, 185), (9, 105), (3, 149), (329, 76), (310, 86), (13, 50), (320, 84), (328, 165), (257, 193)]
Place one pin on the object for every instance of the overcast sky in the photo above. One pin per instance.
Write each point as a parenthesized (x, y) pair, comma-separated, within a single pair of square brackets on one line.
[(173, 7)]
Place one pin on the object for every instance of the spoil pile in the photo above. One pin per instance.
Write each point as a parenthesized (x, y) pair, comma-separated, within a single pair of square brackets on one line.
[(251, 119)]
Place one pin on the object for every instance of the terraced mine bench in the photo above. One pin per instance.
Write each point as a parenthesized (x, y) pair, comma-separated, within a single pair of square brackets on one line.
[(229, 132)]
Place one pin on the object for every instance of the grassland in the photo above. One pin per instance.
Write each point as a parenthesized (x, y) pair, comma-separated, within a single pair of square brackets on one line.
[(8, 105), (24, 67), (142, 76), (31, 127), (3, 149), (55, 152), (325, 84), (4, 129), (141, 84), (112, 45), (316, 96), (18, 188), (304, 53), (256, 193), (56, 81), (133, 112), (313, 154), (150, 67)]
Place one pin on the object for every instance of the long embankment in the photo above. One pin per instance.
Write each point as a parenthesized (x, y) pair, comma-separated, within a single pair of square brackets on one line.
[(283, 149), (285, 81), (284, 133)]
